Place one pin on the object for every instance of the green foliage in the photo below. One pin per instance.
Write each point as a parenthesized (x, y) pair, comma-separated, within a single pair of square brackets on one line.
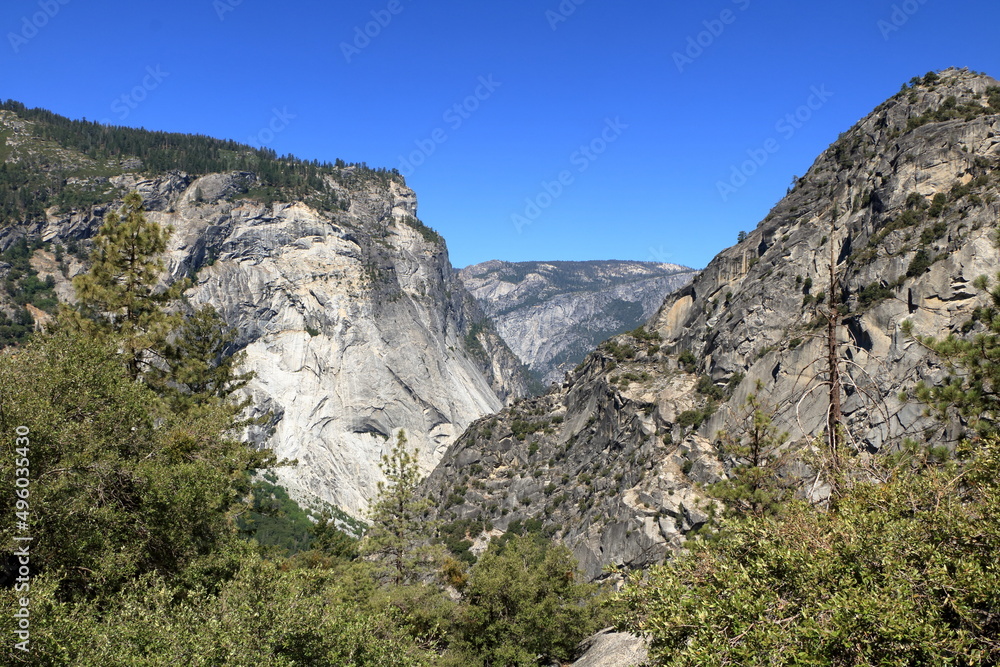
[(455, 536), (921, 261), (121, 486), (975, 364), (261, 614), (874, 293), (329, 538), (938, 205), (41, 178), (23, 195), (688, 361), (993, 95), (522, 428), (275, 521), (844, 150), (908, 218), (426, 232), (524, 605), (933, 233), (197, 364), (16, 330), (642, 333), (916, 201), (696, 417), (950, 109), (23, 287), (902, 573), (620, 351), (471, 339), (706, 387)]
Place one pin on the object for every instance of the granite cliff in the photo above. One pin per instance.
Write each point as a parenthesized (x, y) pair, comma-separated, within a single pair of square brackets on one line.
[(346, 305)]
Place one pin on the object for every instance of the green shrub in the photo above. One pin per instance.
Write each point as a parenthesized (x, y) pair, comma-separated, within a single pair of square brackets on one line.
[(901, 573), (874, 293), (933, 233), (688, 361), (938, 205), (920, 263), (525, 605), (692, 418)]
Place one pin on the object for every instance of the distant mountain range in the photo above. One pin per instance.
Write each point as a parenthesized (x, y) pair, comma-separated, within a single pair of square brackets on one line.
[(551, 314)]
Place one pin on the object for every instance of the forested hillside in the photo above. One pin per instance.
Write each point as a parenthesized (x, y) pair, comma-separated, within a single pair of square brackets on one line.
[(56, 161)]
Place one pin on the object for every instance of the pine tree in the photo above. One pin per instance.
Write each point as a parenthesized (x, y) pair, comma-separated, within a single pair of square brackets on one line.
[(398, 537), (197, 366), (972, 393), (758, 450), (119, 296)]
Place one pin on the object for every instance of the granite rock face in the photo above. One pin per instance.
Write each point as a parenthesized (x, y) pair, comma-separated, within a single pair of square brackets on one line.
[(613, 462), (351, 340), (612, 649), (552, 314), (352, 318), (904, 206)]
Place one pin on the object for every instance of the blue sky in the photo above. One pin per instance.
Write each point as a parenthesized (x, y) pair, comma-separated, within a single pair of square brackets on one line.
[(533, 129)]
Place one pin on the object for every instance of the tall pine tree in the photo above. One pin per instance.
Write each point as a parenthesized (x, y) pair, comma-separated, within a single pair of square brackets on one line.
[(120, 296)]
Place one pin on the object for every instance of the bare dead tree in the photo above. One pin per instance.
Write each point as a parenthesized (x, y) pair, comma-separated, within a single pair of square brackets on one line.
[(835, 416)]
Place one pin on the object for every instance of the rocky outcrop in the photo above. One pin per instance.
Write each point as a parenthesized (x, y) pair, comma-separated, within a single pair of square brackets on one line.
[(552, 314), (612, 649), (904, 206), (350, 315), (351, 339), (614, 461), (598, 463)]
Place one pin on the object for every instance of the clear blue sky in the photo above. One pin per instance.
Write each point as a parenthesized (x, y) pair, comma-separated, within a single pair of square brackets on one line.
[(647, 189)]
